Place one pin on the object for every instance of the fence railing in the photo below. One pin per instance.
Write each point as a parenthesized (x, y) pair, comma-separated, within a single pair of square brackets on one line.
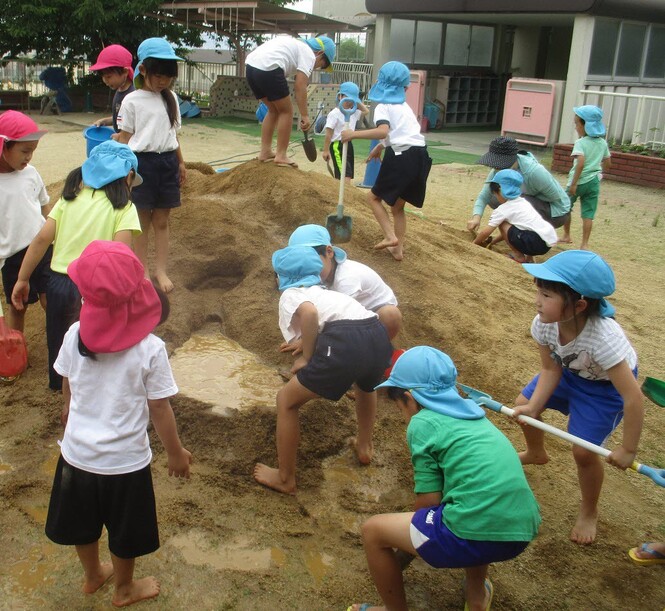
[(358, 73)]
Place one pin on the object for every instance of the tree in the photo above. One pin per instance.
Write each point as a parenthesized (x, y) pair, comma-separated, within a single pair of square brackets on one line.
[(351, 50)]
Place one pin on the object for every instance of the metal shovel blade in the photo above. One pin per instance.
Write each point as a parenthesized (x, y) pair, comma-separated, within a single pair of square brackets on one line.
[(655, 390), (339, 227), (309, 146)]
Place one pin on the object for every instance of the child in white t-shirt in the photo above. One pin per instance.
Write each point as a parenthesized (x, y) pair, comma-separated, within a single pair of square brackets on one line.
[(342, 343), (335, 121), (524, 230), (116, 378)]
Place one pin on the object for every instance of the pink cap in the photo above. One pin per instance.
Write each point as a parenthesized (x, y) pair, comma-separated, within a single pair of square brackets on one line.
[(114, 56), (16, 126)]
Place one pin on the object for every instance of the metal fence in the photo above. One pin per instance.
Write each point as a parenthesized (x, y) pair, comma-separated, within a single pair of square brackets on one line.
[(358, 73)]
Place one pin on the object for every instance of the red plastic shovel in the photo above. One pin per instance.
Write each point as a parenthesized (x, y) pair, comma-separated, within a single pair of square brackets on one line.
[(13, 352)]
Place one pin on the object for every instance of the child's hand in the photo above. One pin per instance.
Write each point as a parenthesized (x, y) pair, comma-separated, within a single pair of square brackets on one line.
[(621, 458), (572, 189), (179, 462), (298, 364), (325, 155), (20, 294), (375, 153), (295, 347), (305, 123), (347, 135), (183, 172), (525, 410), (64, 415)]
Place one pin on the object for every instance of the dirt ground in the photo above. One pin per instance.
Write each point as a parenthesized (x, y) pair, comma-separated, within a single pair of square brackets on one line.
[(228, 543)]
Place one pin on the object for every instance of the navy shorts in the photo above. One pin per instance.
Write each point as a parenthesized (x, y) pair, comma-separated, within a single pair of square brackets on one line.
[(403, 176), (38, 280), (269, 84), (437, 545), (526, 241), (82, 502), (161, 181), (336, 157), (347, 351)]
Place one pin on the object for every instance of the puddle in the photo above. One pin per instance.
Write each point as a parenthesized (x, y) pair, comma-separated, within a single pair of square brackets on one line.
[(5, 468), (37, 512), (34, 572), (219, 371), (48, 466), (317, 564)]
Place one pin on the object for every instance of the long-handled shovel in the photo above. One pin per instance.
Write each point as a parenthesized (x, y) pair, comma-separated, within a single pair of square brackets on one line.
[(654, 389), (13, 352), (338, 225), (481, 398)]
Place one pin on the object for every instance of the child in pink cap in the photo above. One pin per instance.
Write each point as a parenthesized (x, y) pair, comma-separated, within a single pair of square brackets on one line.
[(114, 65), (24, 205), (116, 378)]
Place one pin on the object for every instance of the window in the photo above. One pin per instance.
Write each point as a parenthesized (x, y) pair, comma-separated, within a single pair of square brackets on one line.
[(654, 66), (402, 33), (468, 45), (428, 42)]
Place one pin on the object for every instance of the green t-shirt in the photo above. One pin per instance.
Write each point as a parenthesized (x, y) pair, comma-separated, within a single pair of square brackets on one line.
[(479, 473), (89, 217), (594, 151)]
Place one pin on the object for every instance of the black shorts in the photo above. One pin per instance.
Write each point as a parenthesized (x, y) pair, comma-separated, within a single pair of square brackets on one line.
[(269, 84), (82, 502), (38, 280), (403, 176), (161, 181), (347, 351), (527, 242), (336, 156)]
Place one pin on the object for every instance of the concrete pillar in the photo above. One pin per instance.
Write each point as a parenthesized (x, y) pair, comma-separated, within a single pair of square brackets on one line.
[(381, 49)]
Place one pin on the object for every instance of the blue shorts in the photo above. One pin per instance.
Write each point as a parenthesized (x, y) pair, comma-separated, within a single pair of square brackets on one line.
[(437, 545), (594, 407), (161, 181)]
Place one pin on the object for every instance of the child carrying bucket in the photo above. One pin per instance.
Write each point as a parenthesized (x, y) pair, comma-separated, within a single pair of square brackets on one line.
[(114, 65), (116, 378), (588, 372), (94, 205)]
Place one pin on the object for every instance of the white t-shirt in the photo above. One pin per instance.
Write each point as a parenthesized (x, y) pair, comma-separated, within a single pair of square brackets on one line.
[(363, 284), (404, 127), (331, 306), (602, 344), (285, 52), (143, 114), (523, 215), (106, 431), (335, 121), (22, 195)]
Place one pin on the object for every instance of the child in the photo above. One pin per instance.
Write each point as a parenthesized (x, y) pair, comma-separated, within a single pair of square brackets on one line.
[(114, 64), (332, 145), (406, 164), (149, 119), (524, 230), (94, 205), (473, 504), (267, 68), (591, 155), (24, 205), (342, 343), (588, 372), (116, 377)]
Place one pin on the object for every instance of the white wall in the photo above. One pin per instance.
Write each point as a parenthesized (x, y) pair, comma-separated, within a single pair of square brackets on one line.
[(525, 51), (338, 9)]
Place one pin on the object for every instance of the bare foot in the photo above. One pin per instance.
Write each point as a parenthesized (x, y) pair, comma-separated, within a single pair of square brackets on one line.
[(266, 158), (396, 252), (533, 458), (385, 243), (364, 455), (92, 584), (285, 162), (584, 531), (584, 246), (137, 590), (163, 282), (268, 476), (565, 240)]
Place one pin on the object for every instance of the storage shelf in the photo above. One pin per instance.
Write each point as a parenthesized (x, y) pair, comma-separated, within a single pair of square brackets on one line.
[(472, 100)]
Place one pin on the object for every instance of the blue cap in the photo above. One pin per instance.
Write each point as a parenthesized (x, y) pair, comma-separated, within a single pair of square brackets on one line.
[(583, 271), (593, 119), (315, 235), (297, 266), (430, 376), (109, 161), (510, 182), (389, 87), (325, 44), (157, 48), (349, 90)]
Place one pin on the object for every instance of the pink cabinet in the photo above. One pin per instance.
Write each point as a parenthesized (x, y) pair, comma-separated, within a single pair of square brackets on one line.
[(415, 95)]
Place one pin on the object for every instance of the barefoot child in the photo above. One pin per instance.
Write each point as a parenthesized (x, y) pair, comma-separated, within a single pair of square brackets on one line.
[(149, 119), (114, 65), (335, 121), (267, 68), (588, 372), (406, 164), (473, 504), (524, 230), (342, 343), (116, 377)]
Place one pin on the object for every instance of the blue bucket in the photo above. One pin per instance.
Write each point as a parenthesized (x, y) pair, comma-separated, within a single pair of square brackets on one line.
[(371, 170), (96, 135)]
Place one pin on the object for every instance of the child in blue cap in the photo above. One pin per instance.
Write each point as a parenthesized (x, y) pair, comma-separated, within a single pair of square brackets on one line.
[(342, 343), (406, 163), (588, 372), (473, 504), (335, 121), (524, 230), (591, 156), (267, 68), (95, 205), (149, 120)]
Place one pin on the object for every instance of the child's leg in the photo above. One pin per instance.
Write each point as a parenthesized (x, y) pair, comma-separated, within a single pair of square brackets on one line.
[(267, 131), (565, 239), (588, 193), (283, 120), (16, 318), (141, 241), (96, 573), (590, 474), (381, 215), (160, 223), (535, 453), (476, 594), (128, 590), (586, 233), (289, 399), (391, 318), (399, 222), (518, 255), (365, 415)]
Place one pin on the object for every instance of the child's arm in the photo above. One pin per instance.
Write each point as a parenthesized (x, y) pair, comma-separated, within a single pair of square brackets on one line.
[(363, 109), (163, 420), (181, 164), (67, 397), (483, 234), (326, 144), (33, 256), (377, 133), (105, 121), (550, 374), (633, 407), (572, 189), (375, 153), (300, 91), (122, 136), (124, 236), (606, 164), (427, 499), (306, 317)]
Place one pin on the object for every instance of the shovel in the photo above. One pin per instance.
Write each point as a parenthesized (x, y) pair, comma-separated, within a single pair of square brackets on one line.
[(481, 398), (13, 352), (655, 390), (338, 225), (309, 146)]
